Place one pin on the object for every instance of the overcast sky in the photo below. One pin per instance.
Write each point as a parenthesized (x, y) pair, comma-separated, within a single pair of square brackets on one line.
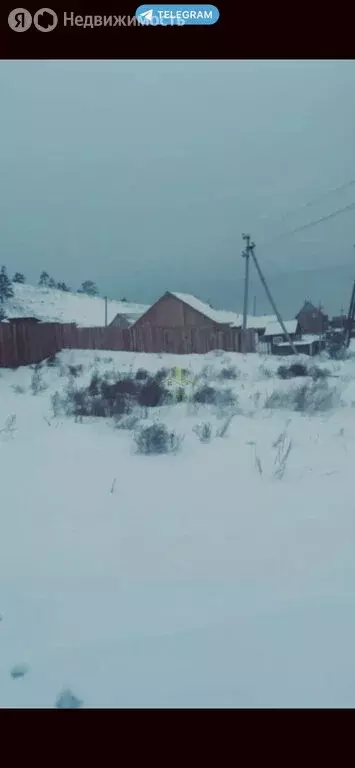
[(143, 175)]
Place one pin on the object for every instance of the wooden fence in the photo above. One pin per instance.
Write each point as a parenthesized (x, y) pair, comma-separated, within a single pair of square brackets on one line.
[(23, 344)]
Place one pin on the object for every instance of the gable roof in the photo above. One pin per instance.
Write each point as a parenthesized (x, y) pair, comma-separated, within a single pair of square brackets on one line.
[(275, 329), (133, 313), (220, 316), (309, 307)]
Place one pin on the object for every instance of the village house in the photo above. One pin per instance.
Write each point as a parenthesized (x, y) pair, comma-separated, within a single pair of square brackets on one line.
[(274, 333), (181, 310), (312, 320), (128, 318), (191, 325)]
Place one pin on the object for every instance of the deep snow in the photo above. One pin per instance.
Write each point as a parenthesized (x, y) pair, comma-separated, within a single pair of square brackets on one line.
[(196, 579), (53, 306)]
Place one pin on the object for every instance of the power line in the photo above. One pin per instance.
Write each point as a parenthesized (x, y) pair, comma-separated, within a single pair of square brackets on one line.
[(315, 200), (314, 223)]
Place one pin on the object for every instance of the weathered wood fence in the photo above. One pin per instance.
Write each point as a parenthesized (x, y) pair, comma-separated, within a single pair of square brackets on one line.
[(23, 344)]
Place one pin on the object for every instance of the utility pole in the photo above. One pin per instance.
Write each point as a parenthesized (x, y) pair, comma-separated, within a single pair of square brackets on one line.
[(246, 256), (105, 311), (271, 300), (254, 306)]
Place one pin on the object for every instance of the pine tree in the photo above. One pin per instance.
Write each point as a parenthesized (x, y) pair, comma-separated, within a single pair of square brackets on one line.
[(18, 278), (52, 283), (44, 280), (63, 287), (89, 287), (6, 290), (2, 314)]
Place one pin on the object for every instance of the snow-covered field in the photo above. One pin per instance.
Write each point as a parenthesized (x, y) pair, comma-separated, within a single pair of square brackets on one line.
[(53, 306), (221, 575)]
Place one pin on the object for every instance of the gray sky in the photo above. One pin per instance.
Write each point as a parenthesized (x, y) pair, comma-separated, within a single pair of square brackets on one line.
[(143, 175)]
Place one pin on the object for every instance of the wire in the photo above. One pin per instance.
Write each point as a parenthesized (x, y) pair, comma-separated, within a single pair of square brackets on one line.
[(314, 223), (323, 195)]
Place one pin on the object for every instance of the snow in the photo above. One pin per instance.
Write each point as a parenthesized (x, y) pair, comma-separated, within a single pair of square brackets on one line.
[(222, 316), (199, 579), (275, 329), (51, 305)]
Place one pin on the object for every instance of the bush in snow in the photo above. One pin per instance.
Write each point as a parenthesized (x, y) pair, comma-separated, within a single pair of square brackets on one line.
[(156, 438), (205, 395), (142, 374), (203, 432), (37, 383), (152, 394), (94, 386), (292, 371), (228, 373), (311, 397), (161, 375), (110, 395), (75, 370), (128, 421)]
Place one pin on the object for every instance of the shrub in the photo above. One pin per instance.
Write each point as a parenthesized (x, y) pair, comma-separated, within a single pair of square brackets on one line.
[(37, 384), (161, 375), (311, 397), (155, 439), (127, 421), (292, 371), (75, 370), (152, 394), (94, 386), (206, 395), (142, 374), (203, 432), (228, 373)]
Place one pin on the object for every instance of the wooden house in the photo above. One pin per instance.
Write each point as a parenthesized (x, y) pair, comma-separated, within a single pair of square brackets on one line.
[(312, 319)]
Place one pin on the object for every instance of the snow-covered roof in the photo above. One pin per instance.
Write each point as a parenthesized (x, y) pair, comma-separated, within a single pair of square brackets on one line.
[(51, 305), (223, 316), (275, 329), (217, 315)]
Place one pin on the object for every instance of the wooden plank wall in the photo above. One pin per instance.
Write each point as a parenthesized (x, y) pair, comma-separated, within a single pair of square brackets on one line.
[(25, 344)]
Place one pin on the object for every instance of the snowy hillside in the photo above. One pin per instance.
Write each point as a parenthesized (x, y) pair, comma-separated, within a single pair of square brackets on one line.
[(219, 574), (59, 306)]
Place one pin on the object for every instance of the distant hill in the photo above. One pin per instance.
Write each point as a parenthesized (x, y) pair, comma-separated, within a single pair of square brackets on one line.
[(51, 305)]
